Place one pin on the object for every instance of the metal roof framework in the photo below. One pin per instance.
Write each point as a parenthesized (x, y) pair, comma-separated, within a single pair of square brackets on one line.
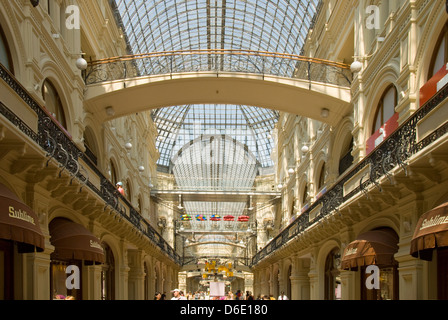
[(279, 26)]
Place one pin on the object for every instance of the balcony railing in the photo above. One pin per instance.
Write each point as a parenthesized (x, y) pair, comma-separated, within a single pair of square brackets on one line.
[(392, 153), (59, 147), (219, 60)]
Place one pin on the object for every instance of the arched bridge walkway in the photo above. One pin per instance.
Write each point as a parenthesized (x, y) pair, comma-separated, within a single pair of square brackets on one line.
[(290, 83)]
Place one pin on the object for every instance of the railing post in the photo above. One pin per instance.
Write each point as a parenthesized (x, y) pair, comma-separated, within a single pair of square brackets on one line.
[(309, 73)]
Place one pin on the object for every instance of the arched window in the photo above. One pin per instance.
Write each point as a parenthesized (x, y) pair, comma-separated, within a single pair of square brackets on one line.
[(113, 173), (440, 55), (146, 281), (128, 191), (5, 53), (305, 194), (321, 181), (346, 159), (386, 108), (89, 143), (332, 278), (108, 275), (53, 102), (139, 204)]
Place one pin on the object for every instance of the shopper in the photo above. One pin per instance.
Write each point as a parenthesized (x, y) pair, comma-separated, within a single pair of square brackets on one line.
[(120, 188), (282, 296)]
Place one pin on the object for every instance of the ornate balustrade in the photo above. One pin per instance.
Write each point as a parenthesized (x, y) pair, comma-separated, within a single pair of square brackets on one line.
[(216, 60)]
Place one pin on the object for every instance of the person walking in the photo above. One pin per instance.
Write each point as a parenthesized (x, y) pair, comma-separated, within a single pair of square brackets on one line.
[(282, 296), (177, 295)]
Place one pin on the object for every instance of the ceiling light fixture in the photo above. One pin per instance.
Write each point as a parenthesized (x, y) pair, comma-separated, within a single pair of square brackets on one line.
[(81, 63), (356, 66)]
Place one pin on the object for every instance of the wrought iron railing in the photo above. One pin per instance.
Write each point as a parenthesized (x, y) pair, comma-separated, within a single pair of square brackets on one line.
[(394, 151), (219, 60), (59, 147)]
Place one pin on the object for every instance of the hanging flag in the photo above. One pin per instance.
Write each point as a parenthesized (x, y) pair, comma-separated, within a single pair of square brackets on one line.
[(185, 217), (200, 217)]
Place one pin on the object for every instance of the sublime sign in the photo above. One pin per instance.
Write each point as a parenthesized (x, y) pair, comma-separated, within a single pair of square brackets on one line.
[(434, 221), (21, 215)]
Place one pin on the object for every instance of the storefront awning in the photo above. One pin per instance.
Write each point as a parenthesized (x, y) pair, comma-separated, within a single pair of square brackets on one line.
[(19, 223), (74, 242), (431, 232), (376, 247)]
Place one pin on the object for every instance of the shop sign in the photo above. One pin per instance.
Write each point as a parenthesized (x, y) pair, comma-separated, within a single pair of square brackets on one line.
[(21, 215), (434, 221), (95, 244), (351, 251)]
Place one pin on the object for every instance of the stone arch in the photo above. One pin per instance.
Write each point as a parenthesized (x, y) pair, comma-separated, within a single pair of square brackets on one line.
[(321, 163), (158, 278), (286, 273), (13, 36), (339, 143), (113, 160), (440, 200), (380, 222), (386, 77), (58, 211), (93, 142), (109, 241), (321, 259), (303, 189), (51, 71), (150, 92)]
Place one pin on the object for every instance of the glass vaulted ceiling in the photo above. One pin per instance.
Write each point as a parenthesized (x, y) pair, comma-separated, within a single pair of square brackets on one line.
[(178, 126), (274, 26)]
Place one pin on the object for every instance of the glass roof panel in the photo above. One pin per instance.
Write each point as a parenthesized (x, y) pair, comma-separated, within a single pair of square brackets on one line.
[(275, 26), (250, 126)]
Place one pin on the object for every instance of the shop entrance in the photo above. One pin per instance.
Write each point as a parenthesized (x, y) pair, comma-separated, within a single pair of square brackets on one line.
[(442, 276), (388, 285), (6, 270)]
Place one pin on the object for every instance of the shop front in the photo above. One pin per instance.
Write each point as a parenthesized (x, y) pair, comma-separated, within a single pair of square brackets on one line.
[(430, 243), (374, 248), (75, 248), (19, 233)]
